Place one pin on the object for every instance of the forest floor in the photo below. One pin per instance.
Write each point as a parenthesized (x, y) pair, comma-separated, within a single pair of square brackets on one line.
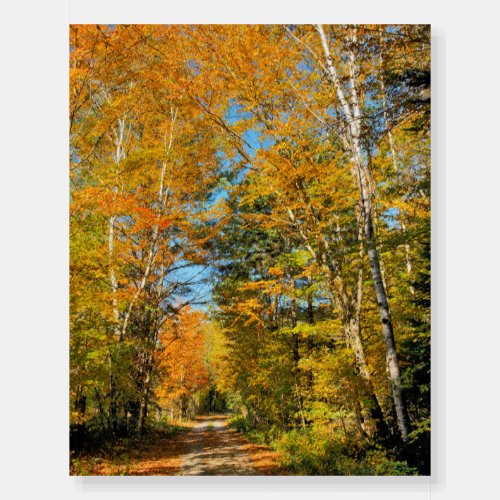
[(205, 447)]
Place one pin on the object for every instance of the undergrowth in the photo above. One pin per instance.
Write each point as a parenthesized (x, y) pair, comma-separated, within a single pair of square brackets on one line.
[(99, 447), (316, 451)]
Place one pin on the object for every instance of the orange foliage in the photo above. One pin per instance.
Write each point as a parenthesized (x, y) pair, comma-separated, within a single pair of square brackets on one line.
[(181, 362)]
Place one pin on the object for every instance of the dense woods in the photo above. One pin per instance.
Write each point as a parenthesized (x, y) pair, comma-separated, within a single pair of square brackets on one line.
[(250, 232)]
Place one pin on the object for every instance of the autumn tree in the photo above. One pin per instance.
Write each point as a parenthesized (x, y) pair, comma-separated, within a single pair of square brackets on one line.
[(138, 135), (183, 372)]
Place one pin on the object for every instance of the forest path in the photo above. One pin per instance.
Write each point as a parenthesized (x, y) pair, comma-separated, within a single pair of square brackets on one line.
[(206, 447), (213, 449)]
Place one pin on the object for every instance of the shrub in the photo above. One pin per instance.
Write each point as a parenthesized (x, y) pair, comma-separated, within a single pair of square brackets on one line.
[(240, 423), (315, 453)]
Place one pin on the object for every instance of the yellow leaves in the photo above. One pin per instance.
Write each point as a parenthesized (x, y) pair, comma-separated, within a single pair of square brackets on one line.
[(276, 271), (76, 418), (248, 309)]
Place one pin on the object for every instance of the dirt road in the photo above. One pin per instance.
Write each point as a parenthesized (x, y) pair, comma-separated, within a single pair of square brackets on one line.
[(207, 447), (214, 449)]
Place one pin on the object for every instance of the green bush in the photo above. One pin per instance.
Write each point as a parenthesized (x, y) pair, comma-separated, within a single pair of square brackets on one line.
[(240, 423), (313, 453)]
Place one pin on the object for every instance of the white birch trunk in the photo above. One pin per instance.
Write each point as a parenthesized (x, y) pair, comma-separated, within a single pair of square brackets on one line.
[(352, 113), (163, 193), (112, 276), (117, 157)]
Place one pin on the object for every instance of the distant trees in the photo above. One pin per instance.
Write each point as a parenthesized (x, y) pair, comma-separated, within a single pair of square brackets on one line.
[(182, 369)]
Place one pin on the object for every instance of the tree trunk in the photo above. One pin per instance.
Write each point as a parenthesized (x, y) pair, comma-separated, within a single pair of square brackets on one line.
[(349, 311), (113, 406), (296, 357), (353, 335), (387, 331), (143, 405), (310, 320), (100, 408), (352, 114), (369, 397)]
